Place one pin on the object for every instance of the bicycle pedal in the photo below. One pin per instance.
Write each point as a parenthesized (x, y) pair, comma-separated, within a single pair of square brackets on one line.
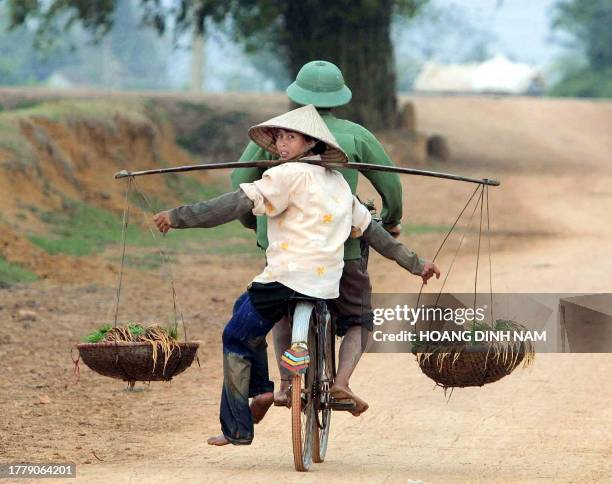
[(346, 405)]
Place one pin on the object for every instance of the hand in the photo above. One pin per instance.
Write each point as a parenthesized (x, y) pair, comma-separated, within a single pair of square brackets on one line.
[(162, 220), (395, 231), (429, 269)]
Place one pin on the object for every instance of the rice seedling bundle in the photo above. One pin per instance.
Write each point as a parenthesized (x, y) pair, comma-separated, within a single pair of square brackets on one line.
[(133, 352), (474, 363)]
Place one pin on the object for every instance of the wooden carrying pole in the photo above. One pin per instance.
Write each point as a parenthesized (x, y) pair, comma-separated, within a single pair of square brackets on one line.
[(271, 163)]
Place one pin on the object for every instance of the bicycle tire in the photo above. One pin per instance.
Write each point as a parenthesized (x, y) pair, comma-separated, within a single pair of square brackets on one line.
[(326, 372), (303, 412)]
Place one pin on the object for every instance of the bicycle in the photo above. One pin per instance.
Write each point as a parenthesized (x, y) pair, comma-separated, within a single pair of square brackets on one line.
[(310, 397)]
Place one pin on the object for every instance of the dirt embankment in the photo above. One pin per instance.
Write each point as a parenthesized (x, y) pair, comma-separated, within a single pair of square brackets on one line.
[(62, 149)]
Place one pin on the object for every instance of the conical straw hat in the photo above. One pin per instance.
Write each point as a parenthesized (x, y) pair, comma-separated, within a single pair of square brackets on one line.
[(305, 120)]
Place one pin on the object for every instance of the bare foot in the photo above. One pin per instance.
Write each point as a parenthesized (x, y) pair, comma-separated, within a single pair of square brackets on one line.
[(281, 397), (218, 440), (341, 393), (260, 405)]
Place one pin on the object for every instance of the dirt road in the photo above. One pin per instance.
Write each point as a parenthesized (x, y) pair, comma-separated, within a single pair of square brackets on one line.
[(548, 423)]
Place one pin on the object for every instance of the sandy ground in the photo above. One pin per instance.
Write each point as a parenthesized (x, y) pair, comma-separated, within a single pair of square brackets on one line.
[(549, 423)]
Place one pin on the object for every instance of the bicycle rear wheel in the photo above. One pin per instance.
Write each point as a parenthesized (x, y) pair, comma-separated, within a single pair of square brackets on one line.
[(326, 372), (303, 412)]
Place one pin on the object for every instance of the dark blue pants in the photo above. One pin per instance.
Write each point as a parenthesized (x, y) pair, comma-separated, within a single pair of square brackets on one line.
[(245, 369)]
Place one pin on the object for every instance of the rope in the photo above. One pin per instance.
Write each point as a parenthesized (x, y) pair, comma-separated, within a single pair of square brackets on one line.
[(75, 361), (478, 250), (456, 252), (454, 224), (483, 370), (469, 226), (480, 202), (490, 263), (126, 217), (444, 241), (165, 262)]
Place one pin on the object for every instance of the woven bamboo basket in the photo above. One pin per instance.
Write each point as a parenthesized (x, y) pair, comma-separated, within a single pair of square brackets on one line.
[(133, 361), (471, 365)]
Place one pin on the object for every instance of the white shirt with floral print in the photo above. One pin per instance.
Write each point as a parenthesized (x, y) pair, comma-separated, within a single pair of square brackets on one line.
[(311, 212)]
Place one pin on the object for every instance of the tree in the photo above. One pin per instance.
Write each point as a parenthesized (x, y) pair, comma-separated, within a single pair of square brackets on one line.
[(139, 53), (588, 24), (128, 57), (54, 18), (354, 34), (21, 63)]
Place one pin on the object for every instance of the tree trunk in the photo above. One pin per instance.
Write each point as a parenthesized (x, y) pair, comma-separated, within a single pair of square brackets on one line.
[(197, 61), (354, 35), (199, 12), (108, 78)]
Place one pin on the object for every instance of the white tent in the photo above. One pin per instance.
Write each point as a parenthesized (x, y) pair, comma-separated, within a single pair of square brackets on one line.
[(58, 80), (497, 75)]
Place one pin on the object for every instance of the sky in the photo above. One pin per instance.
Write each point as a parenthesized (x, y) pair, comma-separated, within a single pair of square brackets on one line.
[(522, 27)]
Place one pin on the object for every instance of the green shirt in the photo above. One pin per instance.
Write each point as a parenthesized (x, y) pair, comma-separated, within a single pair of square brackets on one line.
[(361, 146)]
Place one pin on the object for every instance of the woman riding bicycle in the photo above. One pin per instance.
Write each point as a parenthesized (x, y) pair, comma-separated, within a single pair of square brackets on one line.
[(311, 212)]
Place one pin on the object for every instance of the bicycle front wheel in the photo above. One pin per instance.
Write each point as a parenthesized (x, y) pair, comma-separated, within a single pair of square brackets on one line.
[(326, 371), (303, 412)]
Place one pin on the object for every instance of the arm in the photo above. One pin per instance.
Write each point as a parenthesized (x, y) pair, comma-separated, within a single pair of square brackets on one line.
[(387, 185), (383, 243), (211, 213), (269, 196), (249, 175)]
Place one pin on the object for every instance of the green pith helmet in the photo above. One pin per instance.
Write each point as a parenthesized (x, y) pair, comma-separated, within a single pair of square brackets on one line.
[(320, 83)]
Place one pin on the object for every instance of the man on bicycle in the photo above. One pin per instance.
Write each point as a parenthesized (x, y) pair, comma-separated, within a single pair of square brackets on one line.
[(312, 212), (321, 83)]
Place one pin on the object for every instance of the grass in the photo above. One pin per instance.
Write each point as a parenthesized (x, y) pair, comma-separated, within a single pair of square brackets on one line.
[(102, 109), (144, 261), (419, 229), (82, 229), (584, 83), (11, 273), (27, 104), (69, 110), (239, 248), (155, 113), (12, 141), (211, 132), (190, 190)]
